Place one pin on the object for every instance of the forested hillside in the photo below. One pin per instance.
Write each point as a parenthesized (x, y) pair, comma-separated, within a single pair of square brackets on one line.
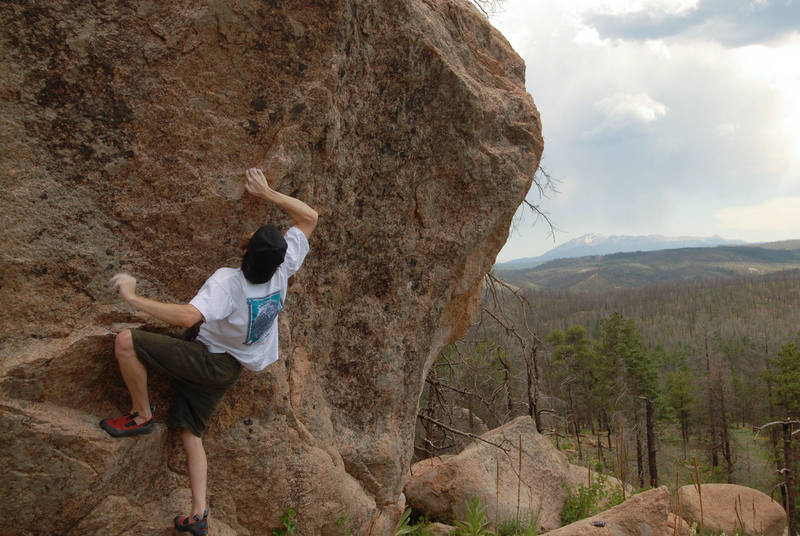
[(633, 270), (765, 310), (709, 360)]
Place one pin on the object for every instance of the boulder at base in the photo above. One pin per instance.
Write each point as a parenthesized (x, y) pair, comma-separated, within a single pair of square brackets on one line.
[(644, 514), (126, 128), (440, 529), (441, 487), (721, 502), (676, 525)]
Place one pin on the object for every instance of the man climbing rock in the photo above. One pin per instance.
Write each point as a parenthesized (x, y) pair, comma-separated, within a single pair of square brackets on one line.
[(238, 308)]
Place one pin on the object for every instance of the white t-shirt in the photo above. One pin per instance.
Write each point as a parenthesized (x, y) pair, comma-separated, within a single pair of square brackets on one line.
[(241, 317)]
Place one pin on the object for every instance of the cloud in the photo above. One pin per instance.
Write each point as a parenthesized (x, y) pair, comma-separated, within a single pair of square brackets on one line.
[(622, 111), (627, 108), (778, 215), (729, 22)]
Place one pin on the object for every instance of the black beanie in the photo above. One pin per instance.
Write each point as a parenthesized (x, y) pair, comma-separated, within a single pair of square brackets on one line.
[(265, 252)]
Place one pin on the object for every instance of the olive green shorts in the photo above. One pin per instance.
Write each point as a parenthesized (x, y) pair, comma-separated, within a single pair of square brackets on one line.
[(200, 377)]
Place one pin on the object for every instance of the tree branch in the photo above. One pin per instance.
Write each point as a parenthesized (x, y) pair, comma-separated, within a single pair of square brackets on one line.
[(459, 432)]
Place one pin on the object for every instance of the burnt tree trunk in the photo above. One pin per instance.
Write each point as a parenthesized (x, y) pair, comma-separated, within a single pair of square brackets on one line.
[(684, 418), (532, 369), (789, 477), (773, 432), (639, 455), (574, 415), (723, 424), (587, 403), (600, 448), (714, 445), (507, 382), (652, 468)]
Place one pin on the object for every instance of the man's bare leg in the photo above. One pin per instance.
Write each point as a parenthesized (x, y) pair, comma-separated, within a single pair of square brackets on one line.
[(133, 374), (198, 470)]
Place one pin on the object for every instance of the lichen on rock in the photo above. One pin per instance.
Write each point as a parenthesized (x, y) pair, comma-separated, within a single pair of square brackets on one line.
[(126, 130)]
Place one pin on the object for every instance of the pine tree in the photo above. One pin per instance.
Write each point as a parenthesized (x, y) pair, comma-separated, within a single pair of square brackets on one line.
[(626, 375), (784, 375), (679, 397)]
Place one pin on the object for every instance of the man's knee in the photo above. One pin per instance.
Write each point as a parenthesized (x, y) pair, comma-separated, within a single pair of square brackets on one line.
[(191, 441), (123, 344)]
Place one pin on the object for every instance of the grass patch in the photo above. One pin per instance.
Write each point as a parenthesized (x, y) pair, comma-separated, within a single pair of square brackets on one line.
[(589, 500)]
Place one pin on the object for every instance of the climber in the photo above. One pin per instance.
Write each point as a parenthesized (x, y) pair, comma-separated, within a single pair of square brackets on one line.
[(238, 308)]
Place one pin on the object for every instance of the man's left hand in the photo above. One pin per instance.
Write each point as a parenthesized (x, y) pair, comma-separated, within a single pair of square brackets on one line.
[(125, 284)]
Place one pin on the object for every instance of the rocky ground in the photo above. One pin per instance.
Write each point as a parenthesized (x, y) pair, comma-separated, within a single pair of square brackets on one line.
[(441, 488)]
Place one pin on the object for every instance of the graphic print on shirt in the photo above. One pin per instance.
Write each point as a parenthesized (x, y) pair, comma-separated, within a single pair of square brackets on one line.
[(263, 312)]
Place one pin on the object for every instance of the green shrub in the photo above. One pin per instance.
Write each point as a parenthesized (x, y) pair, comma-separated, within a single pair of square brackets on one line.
[(579, 504), (616, 497), (517, 527), (476, 523), (289, 524), (344, 524), (587, 501), (419, 528)]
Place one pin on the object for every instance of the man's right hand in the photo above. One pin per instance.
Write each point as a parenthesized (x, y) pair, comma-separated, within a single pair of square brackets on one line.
[(125, 284), (305, 218)]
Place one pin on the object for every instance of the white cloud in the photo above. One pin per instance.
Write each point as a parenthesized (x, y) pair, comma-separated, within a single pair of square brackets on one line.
[(733, 22), (726, 130), (778, 68), (654, 8), (779, 215), (624, 110), (586, 35), (657, 46)]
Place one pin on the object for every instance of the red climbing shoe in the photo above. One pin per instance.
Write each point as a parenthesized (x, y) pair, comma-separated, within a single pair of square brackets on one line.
[(126, 426), (195, 525)]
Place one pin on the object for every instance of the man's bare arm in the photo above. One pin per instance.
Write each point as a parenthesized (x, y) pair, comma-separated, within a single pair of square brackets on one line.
[(185, 315), (305, 217)]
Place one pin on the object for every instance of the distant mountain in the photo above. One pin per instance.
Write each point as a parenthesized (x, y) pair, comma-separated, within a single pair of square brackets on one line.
[(638, 269), (596, 244)]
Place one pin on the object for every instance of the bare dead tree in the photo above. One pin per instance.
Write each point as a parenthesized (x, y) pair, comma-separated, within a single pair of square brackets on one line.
[(789, 469), (528, 340), (474, 437), (488, 7)]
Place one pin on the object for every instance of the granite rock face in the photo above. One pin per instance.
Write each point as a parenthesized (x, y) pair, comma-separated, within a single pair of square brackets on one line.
[(441, 487), (729, 508), (126, 128), (646, 513)]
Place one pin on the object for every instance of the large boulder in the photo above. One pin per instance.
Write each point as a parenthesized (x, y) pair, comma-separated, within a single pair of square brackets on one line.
[(441, 487), (677, 526), (440, 529), (126, 128), (644, 514), (726, 507)]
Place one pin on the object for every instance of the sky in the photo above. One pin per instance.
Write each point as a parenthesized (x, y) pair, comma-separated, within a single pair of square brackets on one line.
[(667, 117)]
